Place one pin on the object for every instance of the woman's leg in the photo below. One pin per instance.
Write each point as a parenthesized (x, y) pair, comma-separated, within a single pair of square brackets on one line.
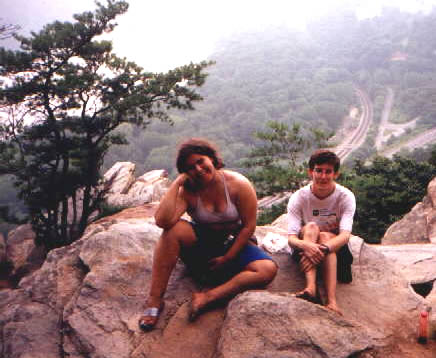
[(257, 273), (165, 257)]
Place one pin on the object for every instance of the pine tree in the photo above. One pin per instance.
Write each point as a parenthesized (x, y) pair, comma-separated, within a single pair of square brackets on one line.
[(63, 95), (275, 165)]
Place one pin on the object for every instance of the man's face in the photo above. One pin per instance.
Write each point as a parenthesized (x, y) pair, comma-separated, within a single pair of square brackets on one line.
[(323, 176)]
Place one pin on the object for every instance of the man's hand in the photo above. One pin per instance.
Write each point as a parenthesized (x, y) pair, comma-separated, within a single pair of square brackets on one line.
[(313, 252), (217, 263), (305, 263)]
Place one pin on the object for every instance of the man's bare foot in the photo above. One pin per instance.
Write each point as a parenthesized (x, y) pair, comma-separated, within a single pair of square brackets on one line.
[(307, 290), (308, 296), (197, 305), (332, 306)]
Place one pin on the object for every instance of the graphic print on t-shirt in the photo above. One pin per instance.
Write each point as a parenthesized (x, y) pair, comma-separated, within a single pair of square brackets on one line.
[(326, 220)]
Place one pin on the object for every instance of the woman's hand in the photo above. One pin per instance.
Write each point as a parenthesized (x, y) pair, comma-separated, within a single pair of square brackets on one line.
[(217, 263), (180, 180), (172, 205)]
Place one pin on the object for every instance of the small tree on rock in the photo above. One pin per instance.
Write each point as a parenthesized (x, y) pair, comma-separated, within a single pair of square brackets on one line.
[(274, 165), (63, 95)]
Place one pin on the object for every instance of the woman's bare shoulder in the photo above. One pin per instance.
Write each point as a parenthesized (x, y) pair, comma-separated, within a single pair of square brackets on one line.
[(236, 179)]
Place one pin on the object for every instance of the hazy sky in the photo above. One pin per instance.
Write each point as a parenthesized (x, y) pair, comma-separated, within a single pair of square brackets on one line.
[(162, 34)]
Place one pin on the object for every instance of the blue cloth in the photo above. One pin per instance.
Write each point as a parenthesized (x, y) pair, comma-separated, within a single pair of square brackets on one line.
[(212, 244)]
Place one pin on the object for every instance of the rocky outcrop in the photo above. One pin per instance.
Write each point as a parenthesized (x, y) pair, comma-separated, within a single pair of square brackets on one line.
[(128, 191), (274, 325), (124, 190), (417, 262), (2, 248), (419, 225), (22, 253), (86, 299)]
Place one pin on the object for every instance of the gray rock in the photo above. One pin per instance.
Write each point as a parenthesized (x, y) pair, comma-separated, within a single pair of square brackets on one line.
[(417, 226), (417, 262), (120, 177), (262, 324), (86, 299), (128, 191), (2, 248), (33, 331), (22, 252)]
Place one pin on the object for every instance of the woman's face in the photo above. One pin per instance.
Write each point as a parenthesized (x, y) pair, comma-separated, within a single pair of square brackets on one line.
[(200, 169)]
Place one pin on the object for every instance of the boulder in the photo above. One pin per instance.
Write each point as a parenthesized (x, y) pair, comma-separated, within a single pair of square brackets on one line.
[(417, 226), (2, 248), (86, 299), (22, 253), (263, 324), (417, 262), (128, 191), (120, 177)]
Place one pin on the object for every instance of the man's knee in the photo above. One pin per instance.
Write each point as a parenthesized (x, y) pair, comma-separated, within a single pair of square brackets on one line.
[(325, 236), (311, 225), (311, 229)]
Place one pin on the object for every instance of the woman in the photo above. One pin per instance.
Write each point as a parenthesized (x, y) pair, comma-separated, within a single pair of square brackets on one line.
[(222, 205)]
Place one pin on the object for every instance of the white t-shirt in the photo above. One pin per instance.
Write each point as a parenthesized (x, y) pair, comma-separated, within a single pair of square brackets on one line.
[(333, 214)]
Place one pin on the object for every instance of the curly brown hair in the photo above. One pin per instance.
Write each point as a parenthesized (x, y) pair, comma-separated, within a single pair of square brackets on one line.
[(324, 156), (197, 146)]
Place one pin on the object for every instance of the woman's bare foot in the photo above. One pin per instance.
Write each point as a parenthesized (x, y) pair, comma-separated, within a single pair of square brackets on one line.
[(332, 306), (198, 304)]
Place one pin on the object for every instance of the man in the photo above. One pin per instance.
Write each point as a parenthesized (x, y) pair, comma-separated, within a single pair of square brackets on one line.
[(320, 219)]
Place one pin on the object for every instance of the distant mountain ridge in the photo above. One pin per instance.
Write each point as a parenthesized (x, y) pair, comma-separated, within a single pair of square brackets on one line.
[(289, 76)]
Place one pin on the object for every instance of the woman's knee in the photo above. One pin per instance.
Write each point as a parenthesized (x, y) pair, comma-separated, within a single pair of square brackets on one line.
[(181, 233), (267, 270)]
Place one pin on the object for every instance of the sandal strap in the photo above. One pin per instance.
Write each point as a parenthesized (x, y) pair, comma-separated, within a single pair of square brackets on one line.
[(152, 312)]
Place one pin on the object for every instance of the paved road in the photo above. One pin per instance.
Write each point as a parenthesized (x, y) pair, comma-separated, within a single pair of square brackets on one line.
[(417, 142), (384, 117)]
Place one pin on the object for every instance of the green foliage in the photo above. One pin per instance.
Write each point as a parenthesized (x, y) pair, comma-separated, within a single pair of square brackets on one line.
[(385, 190), (273, 165), (267, 216), (108, 210), (275, 75), (68, 93)]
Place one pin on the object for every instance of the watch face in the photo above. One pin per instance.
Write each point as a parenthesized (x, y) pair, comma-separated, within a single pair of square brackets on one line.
[(315, 212)]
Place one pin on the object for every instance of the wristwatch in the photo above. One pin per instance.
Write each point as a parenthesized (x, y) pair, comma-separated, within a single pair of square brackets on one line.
[(324, 248)]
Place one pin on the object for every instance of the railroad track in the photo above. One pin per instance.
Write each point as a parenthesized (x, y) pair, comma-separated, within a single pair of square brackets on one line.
[(357, 138)]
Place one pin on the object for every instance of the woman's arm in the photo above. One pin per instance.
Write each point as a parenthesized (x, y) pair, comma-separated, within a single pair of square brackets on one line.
[(172, 205)]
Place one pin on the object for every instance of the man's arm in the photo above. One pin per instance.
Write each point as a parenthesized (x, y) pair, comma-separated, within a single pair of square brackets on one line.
[(295, 219), (345, 224), (335, 243)]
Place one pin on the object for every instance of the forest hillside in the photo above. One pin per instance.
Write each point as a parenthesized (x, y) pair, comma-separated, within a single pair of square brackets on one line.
[(308, 78), (315, 79)]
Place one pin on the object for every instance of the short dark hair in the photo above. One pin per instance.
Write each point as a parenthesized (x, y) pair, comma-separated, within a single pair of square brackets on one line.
[(324, 156), (197, 146)]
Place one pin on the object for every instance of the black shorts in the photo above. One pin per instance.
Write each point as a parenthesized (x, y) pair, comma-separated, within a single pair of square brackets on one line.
[(211, 244)]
